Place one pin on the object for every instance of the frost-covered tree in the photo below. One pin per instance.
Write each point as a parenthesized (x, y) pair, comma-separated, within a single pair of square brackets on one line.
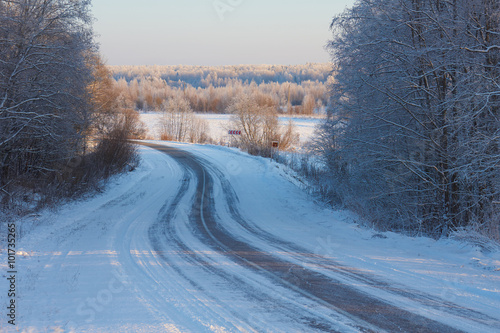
[(413, 131), (44, 46), (179, 123), (259, 125)]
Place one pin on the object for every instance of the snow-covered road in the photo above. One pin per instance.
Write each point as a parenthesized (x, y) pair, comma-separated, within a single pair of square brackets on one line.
[(208, 239)]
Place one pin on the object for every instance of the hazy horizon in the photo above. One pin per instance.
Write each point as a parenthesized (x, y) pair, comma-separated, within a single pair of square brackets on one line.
[(223, 65), (215, 33)]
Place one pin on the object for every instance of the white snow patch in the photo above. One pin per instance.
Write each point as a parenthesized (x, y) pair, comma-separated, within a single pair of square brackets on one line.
[(219, 124)]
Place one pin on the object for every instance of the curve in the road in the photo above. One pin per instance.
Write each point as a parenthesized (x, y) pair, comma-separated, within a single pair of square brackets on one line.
[(371, 313)]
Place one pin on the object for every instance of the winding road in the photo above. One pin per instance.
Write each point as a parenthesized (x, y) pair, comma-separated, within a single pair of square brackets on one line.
[(179, 246), (321, 287)]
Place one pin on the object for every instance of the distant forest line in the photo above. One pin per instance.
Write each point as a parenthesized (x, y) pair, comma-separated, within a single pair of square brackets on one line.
[(294, 89)]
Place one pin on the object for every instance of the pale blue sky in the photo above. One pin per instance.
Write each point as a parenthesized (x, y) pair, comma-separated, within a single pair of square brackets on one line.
[(214, 32)]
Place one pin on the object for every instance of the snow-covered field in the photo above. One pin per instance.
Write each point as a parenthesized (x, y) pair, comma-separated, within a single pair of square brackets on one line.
[(219, 124), (91, 266)]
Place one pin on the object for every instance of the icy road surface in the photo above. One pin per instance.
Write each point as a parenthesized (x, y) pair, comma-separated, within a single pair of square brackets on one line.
[(207, 239)]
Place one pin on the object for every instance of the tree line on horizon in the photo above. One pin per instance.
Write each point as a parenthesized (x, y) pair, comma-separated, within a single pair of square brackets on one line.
[(296, 89)]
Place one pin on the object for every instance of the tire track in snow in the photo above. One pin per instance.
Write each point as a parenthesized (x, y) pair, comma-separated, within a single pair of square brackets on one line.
[(300, 257), (372, 313), (165, 238)]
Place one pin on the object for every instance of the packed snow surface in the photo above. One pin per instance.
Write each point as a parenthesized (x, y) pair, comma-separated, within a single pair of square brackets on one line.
[(131, 259)]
